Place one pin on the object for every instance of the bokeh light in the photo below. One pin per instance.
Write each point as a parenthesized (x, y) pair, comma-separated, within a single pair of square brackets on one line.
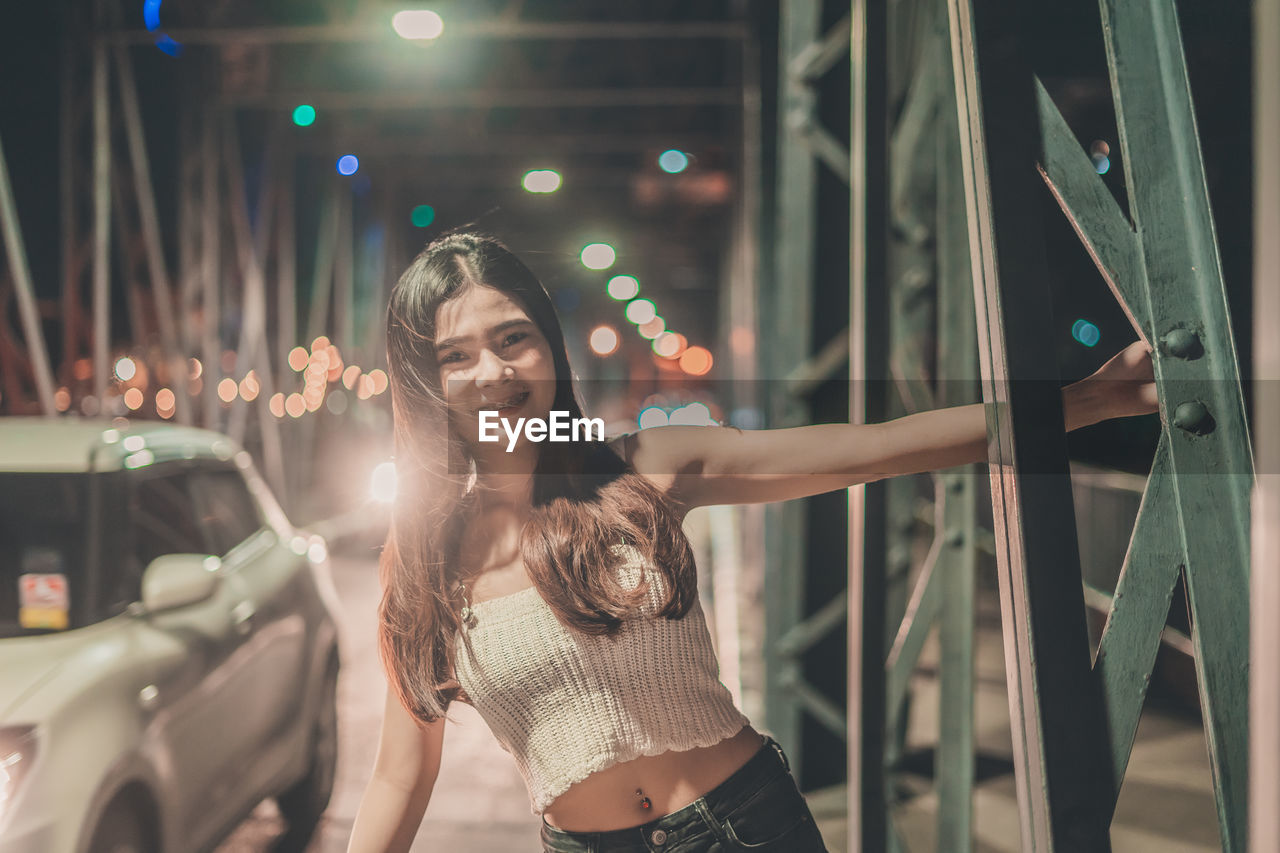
[(604, 340), (652, 417), (669, 344), (382, 485), (295, 405), (249, 387), (598, 256), (1086, 333), (298, 358), (641, 311), (1100, 154), (320, 343), (276, 404), (417, 24), (541, 181), (696, 361), (378, 377), (349, 377), (652, 328), (125, 369), (227, 390), (348, 164), (133, 399), (423, 215), (673, 162), (623, 287), (62, 399), (304, 115)]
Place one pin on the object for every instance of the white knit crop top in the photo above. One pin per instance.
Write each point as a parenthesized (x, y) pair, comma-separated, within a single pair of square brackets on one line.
[(566, 705)]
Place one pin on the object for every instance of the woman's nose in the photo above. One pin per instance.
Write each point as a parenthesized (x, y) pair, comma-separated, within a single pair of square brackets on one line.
[(491, 370)]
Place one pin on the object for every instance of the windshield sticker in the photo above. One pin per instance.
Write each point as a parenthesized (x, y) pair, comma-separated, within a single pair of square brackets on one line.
[(42, 600)]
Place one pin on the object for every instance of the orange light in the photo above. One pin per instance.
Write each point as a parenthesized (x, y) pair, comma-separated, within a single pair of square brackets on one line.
[(364, 389), (82, 369), (696, 361), (133, 399), (604, 340), (295, 405), (276, 404), (227, 390), (335, 364), (249, 387), (195, 367), (165, 399), (298, 358), (652, 327), (319, 344), (378, 377), (349, 376), (195, 386), (62, 399)]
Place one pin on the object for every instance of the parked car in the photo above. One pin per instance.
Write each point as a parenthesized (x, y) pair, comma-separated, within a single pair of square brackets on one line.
[(168, 650)]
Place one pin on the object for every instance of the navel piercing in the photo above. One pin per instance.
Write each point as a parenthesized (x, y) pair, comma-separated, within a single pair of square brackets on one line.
[(644, 801)]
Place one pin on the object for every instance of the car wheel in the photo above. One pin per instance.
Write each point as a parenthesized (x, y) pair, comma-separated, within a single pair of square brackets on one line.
[(304, 803), (121, 831)]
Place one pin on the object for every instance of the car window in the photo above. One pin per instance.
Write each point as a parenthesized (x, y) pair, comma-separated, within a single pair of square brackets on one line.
[(164, 517), (227, 511), (42, 548)]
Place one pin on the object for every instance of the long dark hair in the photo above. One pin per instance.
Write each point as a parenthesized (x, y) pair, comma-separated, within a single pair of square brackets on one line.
[(585, 499)]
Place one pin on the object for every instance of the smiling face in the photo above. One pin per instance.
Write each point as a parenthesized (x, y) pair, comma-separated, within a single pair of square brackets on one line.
[(492, 356)]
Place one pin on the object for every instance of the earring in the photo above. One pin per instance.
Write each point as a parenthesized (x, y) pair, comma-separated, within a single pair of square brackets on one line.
[(468, 615)]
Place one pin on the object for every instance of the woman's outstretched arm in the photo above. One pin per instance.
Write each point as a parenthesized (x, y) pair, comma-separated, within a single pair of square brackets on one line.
[(700, 466)]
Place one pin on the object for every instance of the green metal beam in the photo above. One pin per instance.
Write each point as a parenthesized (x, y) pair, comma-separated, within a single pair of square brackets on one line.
[(1196, 372)]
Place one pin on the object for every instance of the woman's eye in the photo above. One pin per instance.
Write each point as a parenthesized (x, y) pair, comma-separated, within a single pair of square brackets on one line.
[(514, 337), (451, 357)]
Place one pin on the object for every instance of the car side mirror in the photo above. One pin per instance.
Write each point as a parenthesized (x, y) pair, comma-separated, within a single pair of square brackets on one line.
[(176, 580)]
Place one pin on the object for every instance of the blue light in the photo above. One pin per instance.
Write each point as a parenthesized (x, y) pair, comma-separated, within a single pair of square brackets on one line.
[(1102, 164), (168, 45), (1085, 332), (348, 164), (673, 162), (151, 14)]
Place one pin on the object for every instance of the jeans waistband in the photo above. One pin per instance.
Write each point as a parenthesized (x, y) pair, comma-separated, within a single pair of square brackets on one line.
[(768, 762)]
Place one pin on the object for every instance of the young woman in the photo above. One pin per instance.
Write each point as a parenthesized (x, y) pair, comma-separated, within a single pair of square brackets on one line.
[(550, 586)]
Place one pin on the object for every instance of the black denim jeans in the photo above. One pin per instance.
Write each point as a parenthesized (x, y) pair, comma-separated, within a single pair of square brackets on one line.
[(758, 808)]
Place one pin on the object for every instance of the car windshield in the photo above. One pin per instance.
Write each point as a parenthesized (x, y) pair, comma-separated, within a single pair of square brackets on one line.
[(45, 580)]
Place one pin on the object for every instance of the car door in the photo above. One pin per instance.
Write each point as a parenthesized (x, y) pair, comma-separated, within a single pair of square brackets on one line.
[(271, 591), (194, 649)]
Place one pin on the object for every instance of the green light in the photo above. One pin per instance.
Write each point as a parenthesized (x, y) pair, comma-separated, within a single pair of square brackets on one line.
[(304, 115), (423, 215)]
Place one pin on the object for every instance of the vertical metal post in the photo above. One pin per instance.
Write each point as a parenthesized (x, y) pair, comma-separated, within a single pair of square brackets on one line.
[(868, 645), (68, 168), (21, 273), (101, 222), (1264, 800), (157, 269), (784, 526), (957, 384), (344, 331), (286, 265), (1060, 745), (210, 266)]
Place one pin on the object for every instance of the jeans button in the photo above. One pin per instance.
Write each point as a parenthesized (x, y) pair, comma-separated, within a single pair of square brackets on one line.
[(658, 836)]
